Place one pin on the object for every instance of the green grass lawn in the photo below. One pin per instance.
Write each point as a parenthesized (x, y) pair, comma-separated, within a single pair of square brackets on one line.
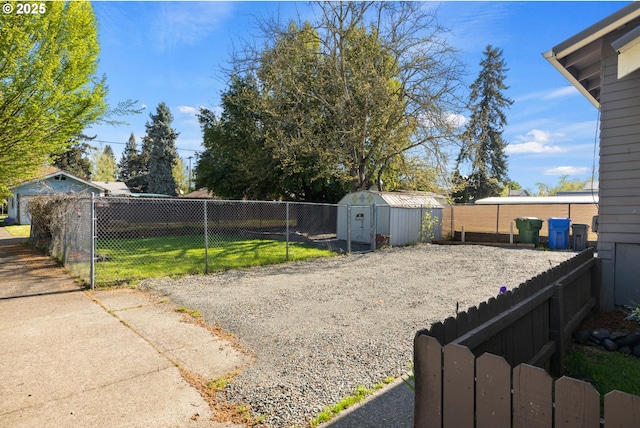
[(606, 371), (15, 230), (19, 230), (127, 260)]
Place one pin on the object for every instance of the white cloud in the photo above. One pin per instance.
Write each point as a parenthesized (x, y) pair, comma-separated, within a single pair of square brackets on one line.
[(567, 170), (456, 120), (561, 93), (187, 22), (536, 141), (188, 110), (553, 94)]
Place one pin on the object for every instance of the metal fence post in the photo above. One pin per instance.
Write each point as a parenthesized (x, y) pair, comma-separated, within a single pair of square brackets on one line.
[(348, 229), (206, 240), (287, 243), (94, 242), (374, 226)]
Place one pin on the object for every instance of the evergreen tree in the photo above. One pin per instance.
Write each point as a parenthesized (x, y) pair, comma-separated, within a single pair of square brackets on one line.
[(75, 160), (145, 154), (163, 152), (105, 169), (129, 164), (483, 145)]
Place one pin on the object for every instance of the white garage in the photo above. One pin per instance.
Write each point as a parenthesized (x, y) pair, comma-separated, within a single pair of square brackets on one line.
[(394, 218)]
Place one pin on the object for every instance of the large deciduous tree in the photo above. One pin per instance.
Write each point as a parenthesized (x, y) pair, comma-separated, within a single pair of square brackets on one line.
[(483, 146), (49, 89), (163, 152), (341, 102)]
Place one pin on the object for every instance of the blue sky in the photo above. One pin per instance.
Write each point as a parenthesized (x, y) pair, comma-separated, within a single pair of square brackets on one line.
[(156, 51)]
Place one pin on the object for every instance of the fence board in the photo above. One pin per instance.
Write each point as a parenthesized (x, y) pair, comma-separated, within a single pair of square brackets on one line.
[(485, 218), (428, 382), (532, 399), (458, 387), (462, 323), (449, 330), (577, 404), (448, 394), (493, 392), (621, 410)]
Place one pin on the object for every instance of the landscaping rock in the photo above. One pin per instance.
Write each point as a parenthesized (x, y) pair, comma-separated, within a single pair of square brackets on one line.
[(629, 340), (600, 334), (582, 336), (609, 345)]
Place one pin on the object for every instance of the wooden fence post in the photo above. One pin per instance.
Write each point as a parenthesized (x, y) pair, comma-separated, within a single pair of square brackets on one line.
[(427, 369), (556, 331)]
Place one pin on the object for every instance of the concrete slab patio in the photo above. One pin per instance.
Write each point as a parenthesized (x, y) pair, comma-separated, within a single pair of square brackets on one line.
[(110, 358)]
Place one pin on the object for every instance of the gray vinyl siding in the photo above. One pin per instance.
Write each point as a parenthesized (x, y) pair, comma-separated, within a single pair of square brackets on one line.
[(619, 179)]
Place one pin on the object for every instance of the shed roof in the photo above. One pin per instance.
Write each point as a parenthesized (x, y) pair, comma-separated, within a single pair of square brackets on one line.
[(523, 200), (406, 199), (578, 57)]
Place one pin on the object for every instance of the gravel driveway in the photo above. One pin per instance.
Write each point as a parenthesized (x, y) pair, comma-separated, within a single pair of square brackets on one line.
[(322, 327)]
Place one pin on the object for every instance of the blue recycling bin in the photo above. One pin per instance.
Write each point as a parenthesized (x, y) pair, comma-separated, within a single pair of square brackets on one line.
[(559, 233)]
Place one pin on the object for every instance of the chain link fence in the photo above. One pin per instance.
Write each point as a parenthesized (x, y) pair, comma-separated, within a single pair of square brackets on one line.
[(61, 224), (113, 240), (138, 238)]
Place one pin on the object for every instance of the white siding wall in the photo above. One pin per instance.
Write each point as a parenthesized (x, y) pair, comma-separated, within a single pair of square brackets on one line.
[(619, 211)]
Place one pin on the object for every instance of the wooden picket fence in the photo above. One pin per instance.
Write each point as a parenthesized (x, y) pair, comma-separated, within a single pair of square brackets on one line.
[(470, 383), (532, 323), (456, 390)]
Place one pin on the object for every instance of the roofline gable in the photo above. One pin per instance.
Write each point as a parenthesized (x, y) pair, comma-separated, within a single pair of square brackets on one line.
[(586, 37), (53, 174)]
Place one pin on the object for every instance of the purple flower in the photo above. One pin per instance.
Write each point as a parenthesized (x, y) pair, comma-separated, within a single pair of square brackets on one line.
[(503, 290)]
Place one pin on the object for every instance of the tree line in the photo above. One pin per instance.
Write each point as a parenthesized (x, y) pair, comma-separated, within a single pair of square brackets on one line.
[(364, 98), (368, 95)]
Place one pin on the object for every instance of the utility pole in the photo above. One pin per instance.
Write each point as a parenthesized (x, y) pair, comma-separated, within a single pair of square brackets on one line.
[(190, 157)]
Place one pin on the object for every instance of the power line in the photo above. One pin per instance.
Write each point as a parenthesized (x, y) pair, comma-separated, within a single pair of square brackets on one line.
[(124, 144)]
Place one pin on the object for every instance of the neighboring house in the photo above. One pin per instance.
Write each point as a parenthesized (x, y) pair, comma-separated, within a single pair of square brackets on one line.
[(590, 188), (199, 194), (518, 192), (113, 188), (603, 63), (56, 182)]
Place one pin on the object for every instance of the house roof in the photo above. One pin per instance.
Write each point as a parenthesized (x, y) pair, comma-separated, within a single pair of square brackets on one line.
[(523, 200), (518, 192), (57, 173), (200, 193), (113, 188), (578, 57)]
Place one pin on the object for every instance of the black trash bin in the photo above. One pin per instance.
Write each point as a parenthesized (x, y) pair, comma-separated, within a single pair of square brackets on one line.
[(579, 232)]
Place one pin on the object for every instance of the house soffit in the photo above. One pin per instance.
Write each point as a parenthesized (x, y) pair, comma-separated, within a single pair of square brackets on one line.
[(578, 58)]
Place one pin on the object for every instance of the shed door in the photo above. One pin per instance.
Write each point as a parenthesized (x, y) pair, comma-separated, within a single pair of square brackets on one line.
[(627, 272), (361, 225)]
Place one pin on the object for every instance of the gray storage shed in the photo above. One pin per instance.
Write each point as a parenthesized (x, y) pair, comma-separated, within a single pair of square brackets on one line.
[(396, 215)]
